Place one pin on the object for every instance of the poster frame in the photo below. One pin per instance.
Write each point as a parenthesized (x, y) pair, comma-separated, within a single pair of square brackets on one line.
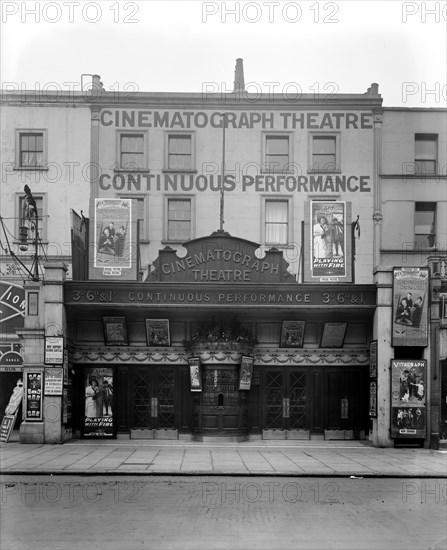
[(119, 335), (246, 372), (195, 374), (296, 338)]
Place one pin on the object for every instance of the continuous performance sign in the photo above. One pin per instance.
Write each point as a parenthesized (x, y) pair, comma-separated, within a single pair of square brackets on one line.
[(164, 295)]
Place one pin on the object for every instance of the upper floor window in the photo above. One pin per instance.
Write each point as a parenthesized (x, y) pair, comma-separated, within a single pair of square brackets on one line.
[(277, 154), (324, 157), (180, 152), (276, 221), (132, 151), (425, 224), (140, 212), (31, 149), (425, 154), (179, 219)]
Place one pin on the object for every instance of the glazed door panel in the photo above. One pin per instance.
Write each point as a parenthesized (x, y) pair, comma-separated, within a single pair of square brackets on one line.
[(286, 404), (153, 402)]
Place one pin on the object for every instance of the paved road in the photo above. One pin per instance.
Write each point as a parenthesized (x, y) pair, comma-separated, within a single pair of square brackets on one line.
[(193, 512)]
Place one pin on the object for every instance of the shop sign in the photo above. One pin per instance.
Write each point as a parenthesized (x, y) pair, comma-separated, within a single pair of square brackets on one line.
[(99, 402), (12, 307), (187, 295), (33, 395), (410, 306), (408, 398)]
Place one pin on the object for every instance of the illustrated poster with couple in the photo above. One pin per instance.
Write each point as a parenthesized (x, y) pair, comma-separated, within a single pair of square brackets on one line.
[(328, 239), (98, 402), (410, 307), (113, 226)]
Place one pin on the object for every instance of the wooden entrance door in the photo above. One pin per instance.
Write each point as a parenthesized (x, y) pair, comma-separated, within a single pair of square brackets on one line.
[(153, 402), (222, 407)]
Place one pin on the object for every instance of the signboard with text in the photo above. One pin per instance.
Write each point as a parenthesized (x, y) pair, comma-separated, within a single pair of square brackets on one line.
[(54, 350), (98, 402)]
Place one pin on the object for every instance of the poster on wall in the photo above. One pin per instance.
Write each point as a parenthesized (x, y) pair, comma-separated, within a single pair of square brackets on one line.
[(54, 350), (408, 404), (54, 380), (373, 359), (113, 243), (195, 374), (373, 398), (33, 395), (327, 244), (246, 372), (410, 306), (98, 402)]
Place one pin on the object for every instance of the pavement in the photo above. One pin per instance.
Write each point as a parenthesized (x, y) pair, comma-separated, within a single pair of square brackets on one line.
[(249, 458)]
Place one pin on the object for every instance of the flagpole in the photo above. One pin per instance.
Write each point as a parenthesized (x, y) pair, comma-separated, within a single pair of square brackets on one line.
[(222, 176)]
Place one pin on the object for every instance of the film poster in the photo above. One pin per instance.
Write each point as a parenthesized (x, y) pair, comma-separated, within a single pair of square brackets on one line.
[(408, 398), (113, 250), (410, 306), (328, 239), (98, 402)]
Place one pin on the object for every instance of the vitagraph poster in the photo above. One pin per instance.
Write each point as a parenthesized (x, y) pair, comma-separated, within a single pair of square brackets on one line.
[(408, 403), (98, 402)]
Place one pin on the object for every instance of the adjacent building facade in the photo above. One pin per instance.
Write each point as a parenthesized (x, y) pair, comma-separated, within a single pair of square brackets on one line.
[(237, 272)]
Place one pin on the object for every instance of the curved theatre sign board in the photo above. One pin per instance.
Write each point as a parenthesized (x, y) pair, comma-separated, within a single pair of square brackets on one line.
[(221, 258)]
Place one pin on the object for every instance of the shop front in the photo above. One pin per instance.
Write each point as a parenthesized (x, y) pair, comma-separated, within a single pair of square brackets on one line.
[(261, 358)]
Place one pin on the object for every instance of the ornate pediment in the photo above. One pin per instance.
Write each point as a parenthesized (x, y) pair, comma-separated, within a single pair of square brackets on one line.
[(221, 258)]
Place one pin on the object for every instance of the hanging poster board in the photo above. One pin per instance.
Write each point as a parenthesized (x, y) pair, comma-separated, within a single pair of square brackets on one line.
[(408, 403), (410, 306), (195, 373), (33, 396), (98, 402), (246, 372)]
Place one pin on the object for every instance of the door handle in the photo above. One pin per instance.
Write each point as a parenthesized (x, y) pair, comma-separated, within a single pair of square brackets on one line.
[(285, 407), (154, 407)]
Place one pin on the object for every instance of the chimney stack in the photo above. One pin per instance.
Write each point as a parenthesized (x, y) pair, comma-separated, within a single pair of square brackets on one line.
[(239, 83)]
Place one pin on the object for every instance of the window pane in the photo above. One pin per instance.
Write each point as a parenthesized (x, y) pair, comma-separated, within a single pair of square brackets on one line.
[(276, 211), (324, 145), (277, 145)]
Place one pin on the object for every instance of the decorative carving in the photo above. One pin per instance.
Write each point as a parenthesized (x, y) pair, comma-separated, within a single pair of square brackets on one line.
[(264, 357)]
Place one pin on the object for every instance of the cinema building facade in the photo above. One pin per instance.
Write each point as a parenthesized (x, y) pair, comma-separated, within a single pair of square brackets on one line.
[(228, 281)]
